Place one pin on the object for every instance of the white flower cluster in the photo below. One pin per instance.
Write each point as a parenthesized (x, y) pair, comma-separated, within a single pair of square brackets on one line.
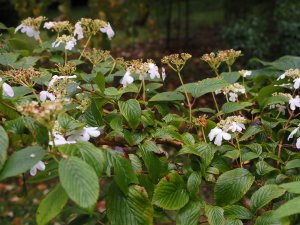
[(231, 123), (83, 134), (6, 89), (68, 40), (293, 74), (294, 102), (232, 91), (292, 135)]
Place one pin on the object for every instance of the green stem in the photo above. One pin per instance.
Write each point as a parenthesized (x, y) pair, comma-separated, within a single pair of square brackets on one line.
[(203, 134), (215, 101), (186, 95), (239, 148), (144, 89), (85, 46), (66, 57)]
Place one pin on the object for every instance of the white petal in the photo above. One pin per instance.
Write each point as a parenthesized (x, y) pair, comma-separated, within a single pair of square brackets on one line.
[(215, 131), (33, 171), (226, 136), (297, 83), (293, 133), (43, 95), (298, 143), (7, 90), (218, 140), (40, 166), (93, 131)]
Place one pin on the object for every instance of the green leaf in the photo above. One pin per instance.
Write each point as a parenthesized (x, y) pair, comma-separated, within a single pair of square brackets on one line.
[(268, 218), (171, 193), (100, 81), (3, 146), (251, 131), (87, 152), (278, 99), (230, 77), (237, 212), (204, 86), (152, 163), (284, 63), (68, 123), (26, 62), (233, 222), (295, 163), (264, 195), (289, 208), (215, 215), (193, 183), (150, 146), (167, 96), (7, 59), (189, 214), (123, 170), (292, 187), (22, 161), (231, 186), (131, 209), (79, 181), (263, 168), (51, 205), (131, 110), (230, 107)]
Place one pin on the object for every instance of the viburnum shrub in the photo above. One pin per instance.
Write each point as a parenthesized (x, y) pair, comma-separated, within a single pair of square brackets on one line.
[(115, 149)]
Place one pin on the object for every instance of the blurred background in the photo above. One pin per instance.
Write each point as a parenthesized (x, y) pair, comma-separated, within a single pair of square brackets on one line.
[(151, 28)]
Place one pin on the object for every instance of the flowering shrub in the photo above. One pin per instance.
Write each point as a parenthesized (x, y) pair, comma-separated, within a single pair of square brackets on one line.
[(115, 149)]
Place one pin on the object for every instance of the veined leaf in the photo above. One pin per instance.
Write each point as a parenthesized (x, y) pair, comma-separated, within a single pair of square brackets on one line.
[(215, 215), (190, 214), (167, 96), (3, 146), (289, 208), (230, 107), (131, 110), (293, 187)]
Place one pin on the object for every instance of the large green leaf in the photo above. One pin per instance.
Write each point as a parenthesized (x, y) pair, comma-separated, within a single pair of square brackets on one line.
[(289, 208), (167, 96), (152, 163), (51, 205), (131, 209), (3, 146), (269, 218), (7, 59), (295, 163), (131, 110), (21, 161), (171, 193), (79, 181), (232, 186), (123, 171), (277, 99), (251, 131), (237, 212), (204, 86), (150, 146), (190, 214), (87, 152), (26, 62), (293, 187), (193, 183), (68, 123), (233, 222), (230, 107), (215, 215), (264, 195), (284, 63), (100, 81)]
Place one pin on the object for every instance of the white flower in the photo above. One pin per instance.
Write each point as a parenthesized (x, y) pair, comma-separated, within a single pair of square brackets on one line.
[(83, 135), (233, 97), (30, 31), (282, 76), (7, 89), (56, 78), (293, 133), (236, 127), (108, 30), (298, 143), (218, 134), (294, 102), (39, 166), (245, 73), (297, 83), (45, 94), (60, 140), (127, 79), (48, 25), (56, 43), (70, 44), (153, 71), (163, 73), (78, 31)]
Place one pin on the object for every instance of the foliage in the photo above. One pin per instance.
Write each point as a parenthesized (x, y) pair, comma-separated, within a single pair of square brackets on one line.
[(116, 148)]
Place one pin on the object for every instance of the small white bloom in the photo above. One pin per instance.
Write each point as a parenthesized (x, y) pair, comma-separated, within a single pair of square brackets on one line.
[(7, 89), (29, 31), (298, 143), (294, 102), (45, 94), (55, 78), (48, 25), (297, 83), (83, 135), (245, 73), (78, 31), (163, 73), (218, 134), (127, 79), (153, 71), (108, 30), (282, 76), (39, 166), (56, 43), (70, 44), (233, 97), (236, 127), (60, 140), (293, 133)]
